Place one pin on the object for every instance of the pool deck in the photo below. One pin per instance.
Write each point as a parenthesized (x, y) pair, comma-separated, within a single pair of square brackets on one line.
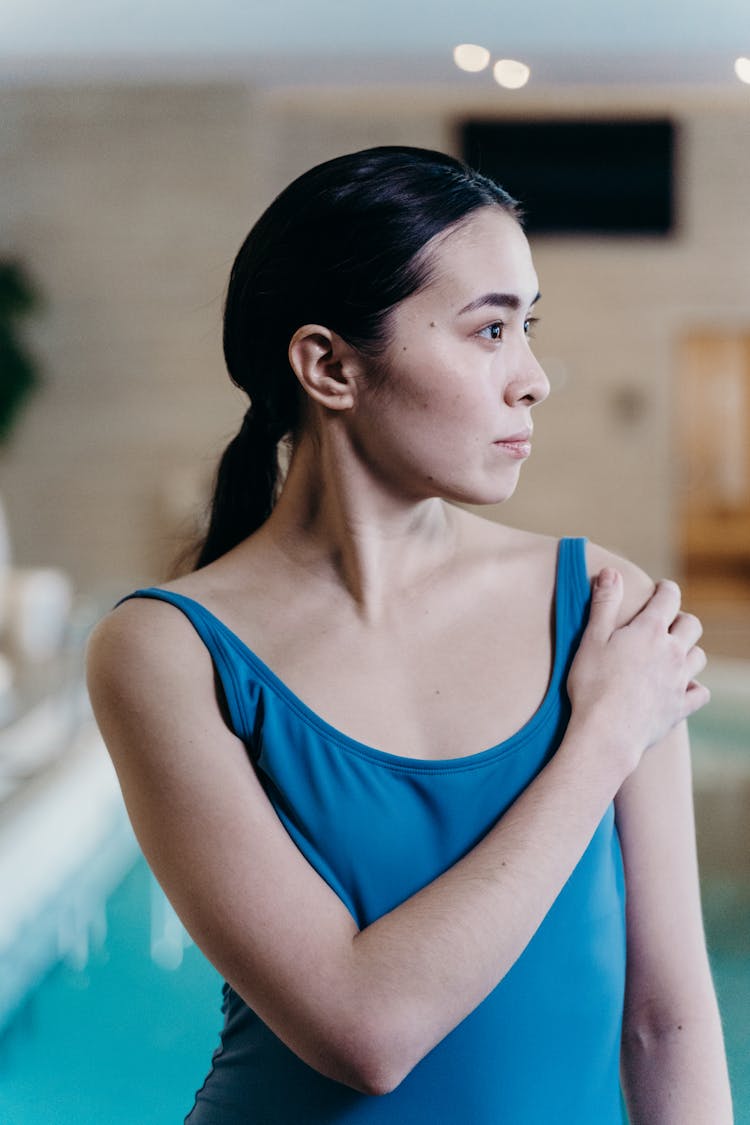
[(65, 843)]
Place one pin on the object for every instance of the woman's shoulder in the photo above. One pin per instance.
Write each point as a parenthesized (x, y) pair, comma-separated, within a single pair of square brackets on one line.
[(148, 626), (513, 541), (535, 550), (139, 636), (638, 586), (210, 584), (482, 535), (136, 641)]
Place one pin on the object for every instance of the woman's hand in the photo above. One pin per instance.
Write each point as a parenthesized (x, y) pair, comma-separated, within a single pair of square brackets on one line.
[(634, 683)]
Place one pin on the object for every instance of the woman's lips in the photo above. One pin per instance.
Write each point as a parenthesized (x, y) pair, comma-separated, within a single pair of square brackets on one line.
[(516, 445)]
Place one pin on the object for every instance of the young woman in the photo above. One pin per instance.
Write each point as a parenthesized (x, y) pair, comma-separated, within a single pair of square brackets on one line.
[(395, 765)]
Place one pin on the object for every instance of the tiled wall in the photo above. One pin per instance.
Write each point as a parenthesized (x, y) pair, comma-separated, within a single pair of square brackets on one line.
[(127, 205)]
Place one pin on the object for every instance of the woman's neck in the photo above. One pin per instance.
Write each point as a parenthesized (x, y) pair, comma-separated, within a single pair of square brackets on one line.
[(335, 520)]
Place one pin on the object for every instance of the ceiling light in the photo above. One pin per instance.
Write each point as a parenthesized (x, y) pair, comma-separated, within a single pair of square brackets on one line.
[(742, 69), (468, 56), (511, 74)]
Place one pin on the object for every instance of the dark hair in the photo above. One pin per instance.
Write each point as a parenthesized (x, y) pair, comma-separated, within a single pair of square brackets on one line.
[(340, 247)]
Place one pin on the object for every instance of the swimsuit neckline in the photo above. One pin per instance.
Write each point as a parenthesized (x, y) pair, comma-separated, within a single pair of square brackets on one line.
[(313, 719)]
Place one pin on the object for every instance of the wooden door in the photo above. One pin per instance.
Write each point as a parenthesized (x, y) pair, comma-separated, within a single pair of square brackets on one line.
[(713, 446)]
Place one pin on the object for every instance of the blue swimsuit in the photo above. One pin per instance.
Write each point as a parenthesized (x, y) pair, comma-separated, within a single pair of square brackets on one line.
[(544, 1047)]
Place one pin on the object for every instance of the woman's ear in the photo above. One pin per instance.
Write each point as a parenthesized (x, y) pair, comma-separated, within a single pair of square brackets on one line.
[(325, 365)]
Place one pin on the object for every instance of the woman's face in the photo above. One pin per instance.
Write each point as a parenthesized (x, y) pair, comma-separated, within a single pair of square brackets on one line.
[(459, 378)]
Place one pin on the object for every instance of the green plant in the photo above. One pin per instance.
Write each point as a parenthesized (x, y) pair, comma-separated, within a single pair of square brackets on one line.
[(18, 372)]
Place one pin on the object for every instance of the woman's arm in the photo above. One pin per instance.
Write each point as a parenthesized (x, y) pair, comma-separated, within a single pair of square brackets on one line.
[(364, 1007), (673, 1064)]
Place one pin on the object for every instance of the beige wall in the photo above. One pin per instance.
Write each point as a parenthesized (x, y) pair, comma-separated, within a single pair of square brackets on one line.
[(127, 204)]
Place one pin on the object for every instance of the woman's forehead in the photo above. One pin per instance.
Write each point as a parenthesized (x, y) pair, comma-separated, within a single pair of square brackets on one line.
[(486, 252)]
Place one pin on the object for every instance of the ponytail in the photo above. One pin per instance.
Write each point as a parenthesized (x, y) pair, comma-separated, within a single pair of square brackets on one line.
[(245, 487)]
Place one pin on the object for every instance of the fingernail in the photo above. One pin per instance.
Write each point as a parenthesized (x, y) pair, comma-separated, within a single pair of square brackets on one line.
[(606, 577)]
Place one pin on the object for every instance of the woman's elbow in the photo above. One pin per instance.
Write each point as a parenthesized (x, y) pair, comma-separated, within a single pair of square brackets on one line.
[(373, 1064), (375, 1082), (648, 1026), (372, 1072)]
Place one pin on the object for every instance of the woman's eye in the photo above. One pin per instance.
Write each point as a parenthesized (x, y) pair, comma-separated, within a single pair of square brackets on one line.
[(528, 326), (492, 331)]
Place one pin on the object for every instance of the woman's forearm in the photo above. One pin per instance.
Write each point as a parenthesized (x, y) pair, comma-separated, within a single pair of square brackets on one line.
[(426, 965)]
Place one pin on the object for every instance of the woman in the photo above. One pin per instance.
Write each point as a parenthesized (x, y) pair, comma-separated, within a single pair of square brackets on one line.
[(302, 734)]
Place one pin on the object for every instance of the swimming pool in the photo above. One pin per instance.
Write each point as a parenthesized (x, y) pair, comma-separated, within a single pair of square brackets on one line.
[(117, 1041)]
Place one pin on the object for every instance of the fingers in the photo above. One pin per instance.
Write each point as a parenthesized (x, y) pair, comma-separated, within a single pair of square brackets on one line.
[(696, 696), (664, 603), (663, 610), (695, 662), (686, 628), (660, 615), (606, 598)]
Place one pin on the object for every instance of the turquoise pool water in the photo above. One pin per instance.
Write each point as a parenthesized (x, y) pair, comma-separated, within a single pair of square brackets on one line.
[(726, 908), (123, 1041), (118, 1042)]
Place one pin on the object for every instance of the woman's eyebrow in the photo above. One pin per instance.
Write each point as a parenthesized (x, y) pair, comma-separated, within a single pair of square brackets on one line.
[(496, 300)]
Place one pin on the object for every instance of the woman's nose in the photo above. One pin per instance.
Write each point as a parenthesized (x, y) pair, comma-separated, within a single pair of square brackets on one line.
[(529, 384)]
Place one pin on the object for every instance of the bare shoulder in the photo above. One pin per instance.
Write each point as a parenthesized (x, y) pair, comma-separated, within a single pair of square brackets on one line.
[(141, 647), (503, 543), (638, 586), (155, 698)]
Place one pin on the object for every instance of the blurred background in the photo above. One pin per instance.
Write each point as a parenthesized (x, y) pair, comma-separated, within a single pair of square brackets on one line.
[(138, 144)]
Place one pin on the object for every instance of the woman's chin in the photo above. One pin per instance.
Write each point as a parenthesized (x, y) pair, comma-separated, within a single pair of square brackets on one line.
[(482, 497)]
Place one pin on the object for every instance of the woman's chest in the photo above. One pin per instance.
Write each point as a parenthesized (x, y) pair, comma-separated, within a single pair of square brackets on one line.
[(428, 685)]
